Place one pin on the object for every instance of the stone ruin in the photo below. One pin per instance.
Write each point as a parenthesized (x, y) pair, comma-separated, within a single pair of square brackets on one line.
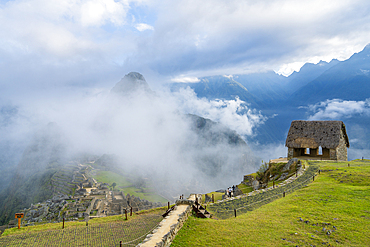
[(46, 211), (91, 199), (281, 175)]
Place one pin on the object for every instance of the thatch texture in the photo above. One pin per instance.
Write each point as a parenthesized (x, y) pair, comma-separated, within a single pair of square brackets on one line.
[(312, 134)]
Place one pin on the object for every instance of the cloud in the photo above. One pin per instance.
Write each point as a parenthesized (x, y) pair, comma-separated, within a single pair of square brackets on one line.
[(218, 38), (269, 151), (188, 38), (236, 114), (338, 109), (185, 79), (142, 27), (150, 134)]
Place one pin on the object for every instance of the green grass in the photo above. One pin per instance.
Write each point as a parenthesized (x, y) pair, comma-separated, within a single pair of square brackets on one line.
[(245, 189), (111, 177), (127, 187), (71, 224), (217, 196), (106, 231), (338, 200)]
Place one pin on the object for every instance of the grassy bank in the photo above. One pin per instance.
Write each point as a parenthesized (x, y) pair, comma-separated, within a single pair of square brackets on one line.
[(107, 231), (123, 184), (334, 210), (73, 224)]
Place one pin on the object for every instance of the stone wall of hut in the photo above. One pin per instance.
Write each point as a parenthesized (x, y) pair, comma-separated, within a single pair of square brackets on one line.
[(290, 153), (341, 150)]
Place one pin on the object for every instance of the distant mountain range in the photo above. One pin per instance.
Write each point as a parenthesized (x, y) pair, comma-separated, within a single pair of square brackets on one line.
[(289, 98)]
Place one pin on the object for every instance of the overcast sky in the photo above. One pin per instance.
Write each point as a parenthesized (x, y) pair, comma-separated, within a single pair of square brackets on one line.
[(94, 43)]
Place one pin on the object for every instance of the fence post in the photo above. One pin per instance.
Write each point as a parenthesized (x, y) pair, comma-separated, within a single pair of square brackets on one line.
[(126, 213), (296, 174), (313, 178), (235, 212), (273, 184), (168, 205), (120, 243), (63, 223), (284, 194), (213, 198), (131, 212)]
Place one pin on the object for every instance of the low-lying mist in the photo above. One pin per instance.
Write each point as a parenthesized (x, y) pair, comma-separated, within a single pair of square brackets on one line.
[(151, 133)]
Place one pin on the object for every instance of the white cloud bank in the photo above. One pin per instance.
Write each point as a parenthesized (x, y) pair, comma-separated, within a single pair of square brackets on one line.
[(338, 109), (235, 114)]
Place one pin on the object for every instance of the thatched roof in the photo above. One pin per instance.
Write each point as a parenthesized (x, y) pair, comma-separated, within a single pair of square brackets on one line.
[(312, 134)]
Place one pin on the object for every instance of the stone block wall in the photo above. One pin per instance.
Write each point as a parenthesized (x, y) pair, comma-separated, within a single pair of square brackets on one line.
[(341, 150), (333, 154), (290, 153)]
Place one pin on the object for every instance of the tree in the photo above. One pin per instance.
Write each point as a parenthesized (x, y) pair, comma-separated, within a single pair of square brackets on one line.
[(114, 185)]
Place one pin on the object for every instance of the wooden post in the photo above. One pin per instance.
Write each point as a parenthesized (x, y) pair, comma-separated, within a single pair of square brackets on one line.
[(273, 184), (168, 205), (126, 213), (120, 243), (19, 216), (313, 178), (213, 198), (235, 212), (284, 194), (296, 174), (348, 164), (131, 212), (63, 223)]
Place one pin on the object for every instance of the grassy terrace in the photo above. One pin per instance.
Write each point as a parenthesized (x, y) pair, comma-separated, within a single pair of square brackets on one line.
[(127, 187), (106, 231), (334, 210)]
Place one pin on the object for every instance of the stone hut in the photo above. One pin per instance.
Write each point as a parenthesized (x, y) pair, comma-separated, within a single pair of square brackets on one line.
[(326, 140)]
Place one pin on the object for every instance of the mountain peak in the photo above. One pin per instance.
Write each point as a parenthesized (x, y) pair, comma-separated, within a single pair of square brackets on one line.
[(132, 82)]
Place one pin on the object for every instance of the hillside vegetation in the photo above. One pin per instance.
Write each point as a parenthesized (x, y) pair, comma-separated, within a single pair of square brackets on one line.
[(331, 211)]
